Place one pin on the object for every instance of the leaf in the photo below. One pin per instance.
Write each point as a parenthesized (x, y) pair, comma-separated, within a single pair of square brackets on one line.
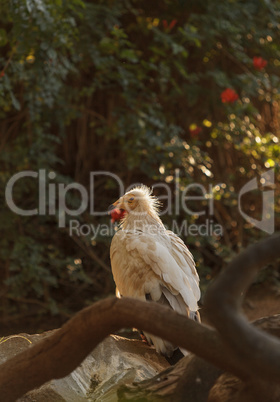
[(181, 68), (176, 48), (3, 37), (15, 102), (129, 54)]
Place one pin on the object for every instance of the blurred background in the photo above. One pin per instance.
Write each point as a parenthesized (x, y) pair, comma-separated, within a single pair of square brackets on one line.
[(143, 90)]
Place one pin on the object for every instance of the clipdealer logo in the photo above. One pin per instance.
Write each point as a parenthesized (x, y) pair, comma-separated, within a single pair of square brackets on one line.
[(53, 196), (267, 221), (49, 193)]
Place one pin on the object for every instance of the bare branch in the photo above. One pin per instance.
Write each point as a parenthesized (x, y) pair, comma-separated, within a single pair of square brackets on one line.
[(247, 350), (191, 378), (59, 354), (259, 353)]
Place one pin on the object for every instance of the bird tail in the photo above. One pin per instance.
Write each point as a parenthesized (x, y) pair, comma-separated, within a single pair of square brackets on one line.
[(178, 304), (194, 315)]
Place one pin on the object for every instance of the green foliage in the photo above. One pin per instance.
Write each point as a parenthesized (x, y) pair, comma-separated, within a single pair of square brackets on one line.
[(115, 86)]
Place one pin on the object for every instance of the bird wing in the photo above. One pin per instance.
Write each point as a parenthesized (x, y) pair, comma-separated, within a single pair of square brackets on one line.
[(164, 255), (131, 273), (185, 260)]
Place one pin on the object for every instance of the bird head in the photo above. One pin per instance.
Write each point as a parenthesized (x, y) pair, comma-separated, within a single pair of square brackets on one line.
[(138, 201)]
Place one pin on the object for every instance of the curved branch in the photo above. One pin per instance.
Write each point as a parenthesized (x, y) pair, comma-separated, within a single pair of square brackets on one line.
[(259, 353), (190, 379), (60, 353)]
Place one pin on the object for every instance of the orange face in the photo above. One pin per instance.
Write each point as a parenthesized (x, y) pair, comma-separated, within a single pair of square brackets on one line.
[(128, 202)]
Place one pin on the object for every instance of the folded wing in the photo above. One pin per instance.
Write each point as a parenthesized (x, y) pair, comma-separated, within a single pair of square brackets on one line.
[(167, 257)]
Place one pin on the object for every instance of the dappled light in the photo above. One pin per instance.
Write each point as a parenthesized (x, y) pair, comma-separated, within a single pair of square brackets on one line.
[(98, 97)]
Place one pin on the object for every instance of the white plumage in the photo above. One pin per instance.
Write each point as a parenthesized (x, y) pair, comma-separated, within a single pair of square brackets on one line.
[(152, 263)]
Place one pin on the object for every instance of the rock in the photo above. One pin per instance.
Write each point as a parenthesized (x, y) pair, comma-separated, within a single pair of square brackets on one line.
[(189, 380), (229, 388), (226, 389), (115, 361)]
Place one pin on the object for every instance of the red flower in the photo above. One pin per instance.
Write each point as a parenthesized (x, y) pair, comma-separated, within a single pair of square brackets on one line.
[(172, 24), (117, 214), (259, 63), (229, 96), (194, 130), (169, 26), (2, 73)]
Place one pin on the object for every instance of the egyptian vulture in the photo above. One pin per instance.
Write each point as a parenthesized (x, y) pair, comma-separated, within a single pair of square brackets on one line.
[(150, 262)]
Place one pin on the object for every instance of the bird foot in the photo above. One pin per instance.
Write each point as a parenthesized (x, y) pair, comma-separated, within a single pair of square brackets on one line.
[(144, 339)]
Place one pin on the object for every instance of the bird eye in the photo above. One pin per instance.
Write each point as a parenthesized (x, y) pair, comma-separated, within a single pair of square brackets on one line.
[(130, 200)]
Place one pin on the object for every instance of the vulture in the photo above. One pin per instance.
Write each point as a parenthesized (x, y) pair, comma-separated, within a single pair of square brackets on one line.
[(150, 263)]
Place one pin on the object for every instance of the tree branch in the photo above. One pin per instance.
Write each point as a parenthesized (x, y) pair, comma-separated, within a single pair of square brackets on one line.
[(258, 352), (60, 353), (190, 379)]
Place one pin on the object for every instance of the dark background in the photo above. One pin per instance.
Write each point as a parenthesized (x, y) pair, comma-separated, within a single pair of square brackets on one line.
[(133, 88)]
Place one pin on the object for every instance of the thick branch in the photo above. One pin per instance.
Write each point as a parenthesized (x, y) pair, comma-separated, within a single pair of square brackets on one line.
[(59, 354), (190, 379), (259, 353)]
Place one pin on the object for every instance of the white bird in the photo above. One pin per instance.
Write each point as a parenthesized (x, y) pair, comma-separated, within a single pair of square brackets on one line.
[(152, 263)]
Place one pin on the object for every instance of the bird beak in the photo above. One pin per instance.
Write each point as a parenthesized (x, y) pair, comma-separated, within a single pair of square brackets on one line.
[(119, 204), (117, 211), (111, 207)]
